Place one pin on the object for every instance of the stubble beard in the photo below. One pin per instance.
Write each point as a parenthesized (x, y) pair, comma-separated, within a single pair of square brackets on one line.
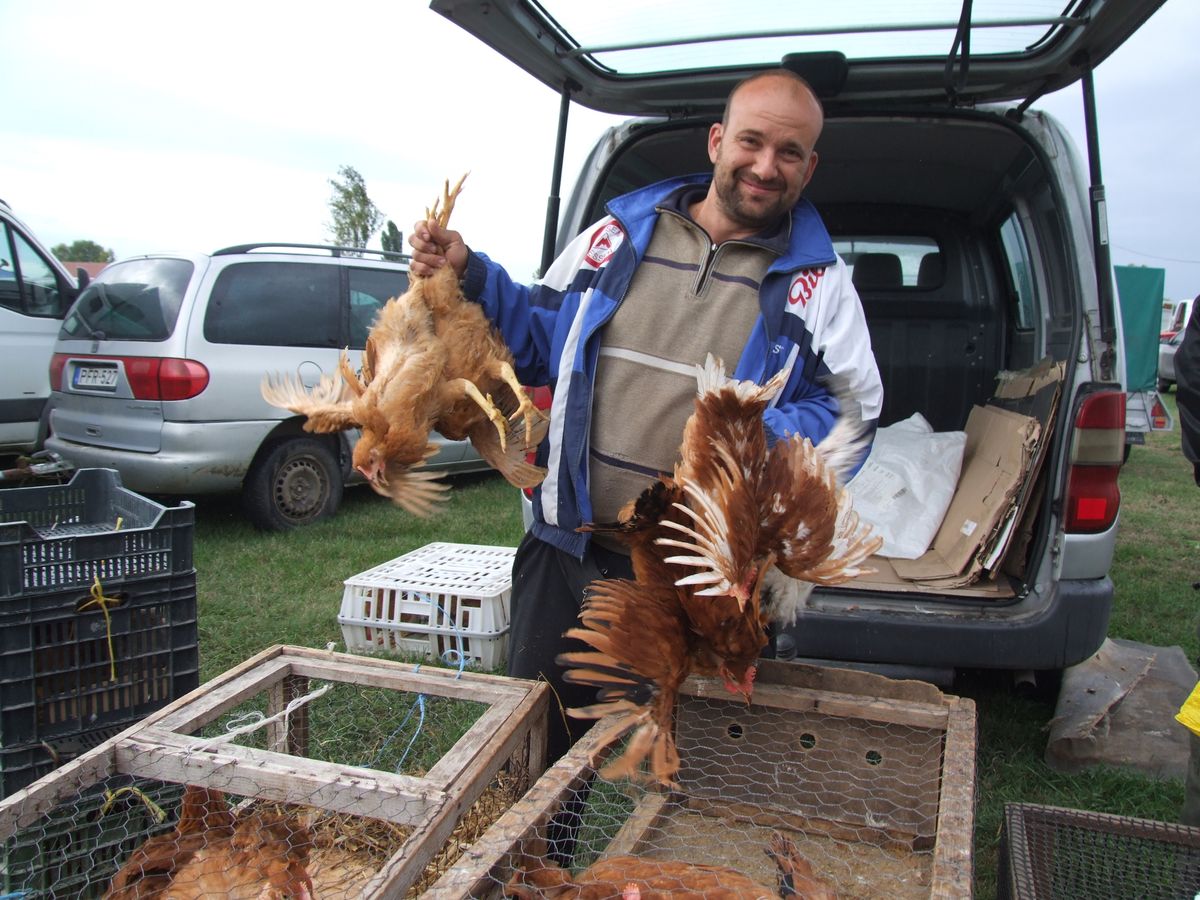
[(744, 211)]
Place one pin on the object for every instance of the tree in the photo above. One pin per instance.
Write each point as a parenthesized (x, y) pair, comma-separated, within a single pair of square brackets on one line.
[(392, 239), (355, 217), (82, 251)]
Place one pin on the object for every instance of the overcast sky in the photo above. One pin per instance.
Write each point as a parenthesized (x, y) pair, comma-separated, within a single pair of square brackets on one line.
[(176, 126)]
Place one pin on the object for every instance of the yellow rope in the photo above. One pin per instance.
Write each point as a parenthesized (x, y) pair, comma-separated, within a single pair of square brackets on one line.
[(100, 600), (110, 797)]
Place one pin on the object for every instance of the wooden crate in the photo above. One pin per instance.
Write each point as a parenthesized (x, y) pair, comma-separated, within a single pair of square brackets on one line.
[(873, 779), (188, 743)]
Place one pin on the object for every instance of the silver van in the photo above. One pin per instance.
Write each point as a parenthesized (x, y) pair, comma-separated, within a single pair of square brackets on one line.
[(157, 368), (35, 291), (977, 239)]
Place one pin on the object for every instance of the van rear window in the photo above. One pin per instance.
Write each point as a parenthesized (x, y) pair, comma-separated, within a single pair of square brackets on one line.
[(137, 300), (885, 263)]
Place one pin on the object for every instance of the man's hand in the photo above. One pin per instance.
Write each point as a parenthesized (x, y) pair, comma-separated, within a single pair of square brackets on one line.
[(434, 246)]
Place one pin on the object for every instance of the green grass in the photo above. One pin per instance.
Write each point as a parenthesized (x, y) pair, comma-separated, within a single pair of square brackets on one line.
[(260, 589), (257, 589)]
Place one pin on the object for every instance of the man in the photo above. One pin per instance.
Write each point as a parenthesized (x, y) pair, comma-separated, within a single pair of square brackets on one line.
[(735, 264), (1187, 390)]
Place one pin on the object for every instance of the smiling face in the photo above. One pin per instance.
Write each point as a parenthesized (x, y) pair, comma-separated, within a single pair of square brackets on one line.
[(763, 157)]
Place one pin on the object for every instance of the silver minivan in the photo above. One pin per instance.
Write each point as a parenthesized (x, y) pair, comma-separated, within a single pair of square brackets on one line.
[(977, 241), (157, 369)]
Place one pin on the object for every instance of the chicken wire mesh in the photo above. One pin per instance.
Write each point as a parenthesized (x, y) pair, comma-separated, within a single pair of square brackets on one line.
[(805, 792), (1064, 854), (280, 783)]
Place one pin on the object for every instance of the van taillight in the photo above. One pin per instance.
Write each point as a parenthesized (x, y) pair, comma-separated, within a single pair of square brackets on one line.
[(1098, 448), (152, 378), (57, 363), (181, 379)]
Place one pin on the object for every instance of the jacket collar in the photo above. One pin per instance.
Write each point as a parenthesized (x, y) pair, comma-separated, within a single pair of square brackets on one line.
[(804, 244)]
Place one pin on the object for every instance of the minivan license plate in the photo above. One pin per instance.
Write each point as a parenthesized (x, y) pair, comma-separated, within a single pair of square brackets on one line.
[(96, 377)]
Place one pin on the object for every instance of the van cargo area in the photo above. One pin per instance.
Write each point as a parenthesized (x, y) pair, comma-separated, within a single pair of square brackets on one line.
[(942, 217)]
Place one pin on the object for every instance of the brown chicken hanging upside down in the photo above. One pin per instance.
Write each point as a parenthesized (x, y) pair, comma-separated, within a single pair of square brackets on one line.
[(432, 362), (758, 527)]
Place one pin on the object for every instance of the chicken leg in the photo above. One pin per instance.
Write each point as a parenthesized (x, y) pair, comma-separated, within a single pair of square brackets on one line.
[(464, 388), (525, 405)]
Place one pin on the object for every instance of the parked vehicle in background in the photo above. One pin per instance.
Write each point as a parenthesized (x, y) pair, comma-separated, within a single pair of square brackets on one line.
[(35, 291), (976, 244), (1178, 319), (1166, 360), (158, 365), (1140, 292)]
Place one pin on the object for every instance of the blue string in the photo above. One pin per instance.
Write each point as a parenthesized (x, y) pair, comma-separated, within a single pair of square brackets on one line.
[(450, 657)]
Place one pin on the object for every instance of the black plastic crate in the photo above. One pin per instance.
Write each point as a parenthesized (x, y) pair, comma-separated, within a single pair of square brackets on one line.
[(75, 850), (22, 766), (1069, 854), (60, 536), (59, 655)]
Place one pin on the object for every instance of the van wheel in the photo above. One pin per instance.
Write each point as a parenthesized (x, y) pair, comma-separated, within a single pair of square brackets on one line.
[(294, 483)]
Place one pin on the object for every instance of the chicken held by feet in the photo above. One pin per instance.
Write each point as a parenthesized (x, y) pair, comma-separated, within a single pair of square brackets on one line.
[(758, 526), (433, 362)]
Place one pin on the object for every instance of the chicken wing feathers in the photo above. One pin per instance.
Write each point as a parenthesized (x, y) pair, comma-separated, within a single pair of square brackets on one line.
[(639, 661), (328, 405)]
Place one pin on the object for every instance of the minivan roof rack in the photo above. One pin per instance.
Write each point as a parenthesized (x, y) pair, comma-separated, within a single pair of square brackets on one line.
[(332, 249)]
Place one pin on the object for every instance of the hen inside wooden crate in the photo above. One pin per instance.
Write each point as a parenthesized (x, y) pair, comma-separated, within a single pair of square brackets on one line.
[(299, 771), (829, 783)]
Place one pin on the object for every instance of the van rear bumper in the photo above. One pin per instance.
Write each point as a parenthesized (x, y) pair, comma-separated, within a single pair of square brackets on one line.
[(1066, 630), (194, 458)]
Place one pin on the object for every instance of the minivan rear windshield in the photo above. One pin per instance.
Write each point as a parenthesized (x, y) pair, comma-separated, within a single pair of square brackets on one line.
[(137, 300)]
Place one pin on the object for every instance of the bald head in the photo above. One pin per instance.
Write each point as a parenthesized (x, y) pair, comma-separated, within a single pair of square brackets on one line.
[(805, 98), (763, 154)]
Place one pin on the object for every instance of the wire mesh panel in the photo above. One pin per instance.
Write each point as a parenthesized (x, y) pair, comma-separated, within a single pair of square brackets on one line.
[(1050, 852), (828, 784), (300, 773)]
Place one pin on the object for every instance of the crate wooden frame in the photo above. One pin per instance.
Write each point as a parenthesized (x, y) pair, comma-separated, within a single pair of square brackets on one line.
[(853, 695), (159, 748)]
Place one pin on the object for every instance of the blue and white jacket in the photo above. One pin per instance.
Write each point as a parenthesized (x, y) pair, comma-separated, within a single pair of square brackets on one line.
[(810, 319)]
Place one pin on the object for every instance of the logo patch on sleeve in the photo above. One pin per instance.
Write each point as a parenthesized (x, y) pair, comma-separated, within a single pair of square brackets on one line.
[(605, 241), (803, 286)]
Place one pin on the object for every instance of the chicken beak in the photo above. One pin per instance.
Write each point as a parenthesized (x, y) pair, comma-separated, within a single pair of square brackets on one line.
[(743, 687)]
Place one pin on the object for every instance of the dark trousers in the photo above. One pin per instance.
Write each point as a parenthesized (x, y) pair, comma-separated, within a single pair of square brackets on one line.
[(547, 591)]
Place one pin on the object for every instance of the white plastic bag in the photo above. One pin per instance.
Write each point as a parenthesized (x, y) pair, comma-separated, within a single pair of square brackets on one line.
[(905, 486)]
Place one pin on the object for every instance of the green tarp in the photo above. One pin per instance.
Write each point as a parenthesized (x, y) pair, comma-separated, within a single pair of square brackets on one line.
[(1140, 291)]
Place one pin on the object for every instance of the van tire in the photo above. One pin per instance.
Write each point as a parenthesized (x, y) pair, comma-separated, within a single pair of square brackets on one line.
[(294, 482)]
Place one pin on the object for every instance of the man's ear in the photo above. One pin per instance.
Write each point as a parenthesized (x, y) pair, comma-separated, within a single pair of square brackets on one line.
[(812, 167), (714, 141)]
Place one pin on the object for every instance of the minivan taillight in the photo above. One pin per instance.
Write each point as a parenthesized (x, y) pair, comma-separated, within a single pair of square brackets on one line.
[(1097, 450), (154, 378), (181, 379)]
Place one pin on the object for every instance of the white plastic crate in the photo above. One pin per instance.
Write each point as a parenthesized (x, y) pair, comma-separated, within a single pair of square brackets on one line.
[(440, 599)]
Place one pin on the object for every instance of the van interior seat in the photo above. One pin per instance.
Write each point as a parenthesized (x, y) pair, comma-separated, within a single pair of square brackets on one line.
[(931, 271), (877, 270)]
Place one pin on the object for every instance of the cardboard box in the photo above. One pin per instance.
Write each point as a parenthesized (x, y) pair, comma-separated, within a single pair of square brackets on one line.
[(991, 513)]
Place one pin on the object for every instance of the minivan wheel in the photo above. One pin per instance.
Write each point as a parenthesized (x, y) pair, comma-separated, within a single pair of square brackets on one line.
[(294, 483)]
